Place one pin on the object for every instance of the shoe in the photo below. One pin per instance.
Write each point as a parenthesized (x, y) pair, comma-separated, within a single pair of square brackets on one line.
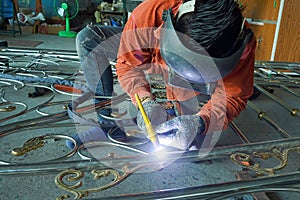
[(93, 134)]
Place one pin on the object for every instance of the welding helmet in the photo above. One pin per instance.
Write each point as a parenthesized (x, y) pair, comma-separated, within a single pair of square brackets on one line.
[(193, 70)]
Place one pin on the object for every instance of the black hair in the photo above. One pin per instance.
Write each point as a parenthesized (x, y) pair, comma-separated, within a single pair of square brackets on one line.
[(214, 24)]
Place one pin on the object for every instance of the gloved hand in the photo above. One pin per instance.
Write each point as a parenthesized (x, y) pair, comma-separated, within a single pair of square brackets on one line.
[(180, 132), (156, 114)]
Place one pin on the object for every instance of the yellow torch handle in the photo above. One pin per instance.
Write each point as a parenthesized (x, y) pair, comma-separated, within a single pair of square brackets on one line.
[(150, 131)]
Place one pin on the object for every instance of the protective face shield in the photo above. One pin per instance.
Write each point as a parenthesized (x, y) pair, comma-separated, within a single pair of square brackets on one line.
[(191, 70)]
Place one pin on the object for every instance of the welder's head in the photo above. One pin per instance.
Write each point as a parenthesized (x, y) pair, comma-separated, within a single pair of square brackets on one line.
[(214, 24), (204, 41)]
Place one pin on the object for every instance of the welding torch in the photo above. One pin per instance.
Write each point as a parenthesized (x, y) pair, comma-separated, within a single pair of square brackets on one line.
[(150, 131)]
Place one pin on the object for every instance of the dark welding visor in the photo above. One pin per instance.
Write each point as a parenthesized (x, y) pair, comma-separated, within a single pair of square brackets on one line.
[(200, 70)]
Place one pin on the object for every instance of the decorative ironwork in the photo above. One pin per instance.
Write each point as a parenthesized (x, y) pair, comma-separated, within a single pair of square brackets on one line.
[(98, 174), (29, 145), (245, 160), (8, 108), (38, 142), (48, 64), (156, 77), (160, 94), (158, 86)]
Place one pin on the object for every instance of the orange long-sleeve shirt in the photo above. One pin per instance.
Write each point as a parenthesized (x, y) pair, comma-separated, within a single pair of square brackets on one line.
[(139, 52)]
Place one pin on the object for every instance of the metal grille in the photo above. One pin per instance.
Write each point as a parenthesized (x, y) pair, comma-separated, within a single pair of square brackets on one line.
[(258, 154)]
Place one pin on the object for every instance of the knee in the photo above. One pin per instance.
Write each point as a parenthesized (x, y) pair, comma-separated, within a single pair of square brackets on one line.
[(81, 37), (87, 39)]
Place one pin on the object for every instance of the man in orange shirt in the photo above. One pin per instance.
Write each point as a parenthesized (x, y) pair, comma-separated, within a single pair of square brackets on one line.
[(202, 48)]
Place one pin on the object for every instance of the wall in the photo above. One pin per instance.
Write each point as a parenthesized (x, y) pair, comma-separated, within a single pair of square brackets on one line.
[(262, 16), (288, 45), (27, 4), (276, 24)]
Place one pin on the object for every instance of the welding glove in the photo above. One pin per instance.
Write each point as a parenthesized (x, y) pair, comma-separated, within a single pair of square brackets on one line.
[(155, 112), (180, 132)]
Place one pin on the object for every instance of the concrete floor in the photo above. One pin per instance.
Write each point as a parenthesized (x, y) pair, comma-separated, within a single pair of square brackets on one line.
[(49, 41), (27, 177)]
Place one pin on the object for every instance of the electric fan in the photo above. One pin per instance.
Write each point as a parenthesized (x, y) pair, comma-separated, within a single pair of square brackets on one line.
[(66, 9)]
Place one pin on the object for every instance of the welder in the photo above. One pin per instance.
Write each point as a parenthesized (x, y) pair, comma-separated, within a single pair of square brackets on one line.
[(204, 49)]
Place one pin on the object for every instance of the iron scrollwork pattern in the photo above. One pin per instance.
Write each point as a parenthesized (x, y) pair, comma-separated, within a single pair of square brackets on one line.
[(76, 175), (245, 160)]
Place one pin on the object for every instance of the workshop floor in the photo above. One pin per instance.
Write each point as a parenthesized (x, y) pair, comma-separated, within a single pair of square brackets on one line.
[(48, 41), (53, 170)]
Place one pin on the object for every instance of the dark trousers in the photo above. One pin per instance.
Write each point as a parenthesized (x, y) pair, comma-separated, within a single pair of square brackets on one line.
[(96, 45)]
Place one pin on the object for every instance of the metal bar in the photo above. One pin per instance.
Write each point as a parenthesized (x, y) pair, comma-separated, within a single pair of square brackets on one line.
[(293, 111), (16, 126), (262, 115), (206, 191), (215, 153), (290, 91), (63, 54), (239, 133)]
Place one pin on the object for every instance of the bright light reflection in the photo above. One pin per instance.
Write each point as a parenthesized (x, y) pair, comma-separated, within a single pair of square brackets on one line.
[(160, 153)]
